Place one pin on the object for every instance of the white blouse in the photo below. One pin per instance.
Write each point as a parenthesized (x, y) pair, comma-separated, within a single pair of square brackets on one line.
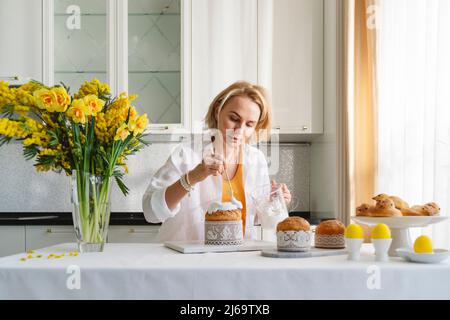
[(186, 221)]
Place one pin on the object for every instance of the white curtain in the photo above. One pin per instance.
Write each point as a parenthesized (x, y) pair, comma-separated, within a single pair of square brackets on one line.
[(413, 78)]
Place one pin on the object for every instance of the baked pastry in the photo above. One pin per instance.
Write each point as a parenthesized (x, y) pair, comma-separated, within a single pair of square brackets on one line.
[(223, 223), (385, 208), (294, 224), (294, 234), (330, 235), (429, 209), (398, 202), (363, 210)]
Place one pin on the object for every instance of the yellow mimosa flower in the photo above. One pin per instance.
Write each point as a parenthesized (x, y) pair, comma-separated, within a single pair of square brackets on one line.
[(46, 99), (78, 111), (62, 99), (94, 104), (122, 133)]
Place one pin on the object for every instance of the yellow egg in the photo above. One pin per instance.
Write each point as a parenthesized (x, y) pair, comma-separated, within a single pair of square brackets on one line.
[(354, 231), (381, 231), (423, 244)]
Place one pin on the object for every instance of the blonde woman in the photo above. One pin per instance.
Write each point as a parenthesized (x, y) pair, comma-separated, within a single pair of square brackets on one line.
[(180, 192)]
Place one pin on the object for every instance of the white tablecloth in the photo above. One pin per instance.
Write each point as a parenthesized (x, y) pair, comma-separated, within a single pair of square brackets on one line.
[(151, 271)]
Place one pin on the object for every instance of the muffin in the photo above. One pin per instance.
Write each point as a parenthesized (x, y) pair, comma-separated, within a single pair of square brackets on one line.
[(223, 223), (293, 234), (330, 235)]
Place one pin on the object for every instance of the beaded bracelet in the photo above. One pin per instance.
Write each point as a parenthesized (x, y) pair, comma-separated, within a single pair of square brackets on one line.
[(184, 180)]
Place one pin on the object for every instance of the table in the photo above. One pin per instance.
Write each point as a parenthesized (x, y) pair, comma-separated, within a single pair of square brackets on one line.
[(152, 271)]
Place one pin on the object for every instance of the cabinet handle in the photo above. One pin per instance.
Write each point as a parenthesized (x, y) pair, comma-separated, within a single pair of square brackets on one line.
[(304, 128), (50, 231), (9, 78), (133, 231), (160, 128), (277, 128)]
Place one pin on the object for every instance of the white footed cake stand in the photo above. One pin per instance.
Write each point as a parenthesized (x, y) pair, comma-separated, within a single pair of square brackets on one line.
[(400, 228)]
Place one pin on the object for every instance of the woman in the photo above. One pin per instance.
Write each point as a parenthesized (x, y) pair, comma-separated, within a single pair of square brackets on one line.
[(181, 191)]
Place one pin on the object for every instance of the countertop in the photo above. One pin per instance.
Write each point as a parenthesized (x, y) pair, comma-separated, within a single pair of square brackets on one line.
[(65, 218)]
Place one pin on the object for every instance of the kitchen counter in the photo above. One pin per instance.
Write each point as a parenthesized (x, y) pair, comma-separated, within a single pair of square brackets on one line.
[(152, 271), (65, 218)]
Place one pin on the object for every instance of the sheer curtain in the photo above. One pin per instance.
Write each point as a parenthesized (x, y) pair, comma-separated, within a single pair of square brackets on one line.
[(413, 71)]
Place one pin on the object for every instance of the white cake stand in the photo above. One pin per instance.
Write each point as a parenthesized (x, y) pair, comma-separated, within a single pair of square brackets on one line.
[(400, 228)]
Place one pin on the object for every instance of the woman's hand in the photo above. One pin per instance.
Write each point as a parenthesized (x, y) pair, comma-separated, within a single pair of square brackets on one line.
[(211, 165), (286, 193)]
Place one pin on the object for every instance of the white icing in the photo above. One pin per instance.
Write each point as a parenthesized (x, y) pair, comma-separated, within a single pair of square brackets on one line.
[(234, 204)]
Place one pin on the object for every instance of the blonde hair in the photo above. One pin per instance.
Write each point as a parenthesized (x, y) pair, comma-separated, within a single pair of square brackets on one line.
[(255, 93)]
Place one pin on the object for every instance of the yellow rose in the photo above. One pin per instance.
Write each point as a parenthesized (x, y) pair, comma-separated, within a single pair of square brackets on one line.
[(62, 99), (46, 99), (122, 133), (93, 104), (78, 111), (138, 126)]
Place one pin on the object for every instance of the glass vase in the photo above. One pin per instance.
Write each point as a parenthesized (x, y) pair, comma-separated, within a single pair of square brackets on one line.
[(91, 210)]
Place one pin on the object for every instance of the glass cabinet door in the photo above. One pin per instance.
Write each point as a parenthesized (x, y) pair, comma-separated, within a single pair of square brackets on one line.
[(154, 58), (80, 41)]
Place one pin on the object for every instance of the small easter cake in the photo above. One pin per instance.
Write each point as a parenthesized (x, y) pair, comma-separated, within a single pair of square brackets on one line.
[(293, 234), (223, 223), (330, 235)]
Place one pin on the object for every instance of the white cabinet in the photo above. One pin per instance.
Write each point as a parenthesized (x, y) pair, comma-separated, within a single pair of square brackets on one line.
[(12, 240), (142, 47), (133, 234), (21, 40), (44, 236), (290, 62), (224, 49)]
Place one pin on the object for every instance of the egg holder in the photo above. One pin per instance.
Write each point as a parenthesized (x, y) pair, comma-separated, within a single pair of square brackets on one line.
[(399, 227)]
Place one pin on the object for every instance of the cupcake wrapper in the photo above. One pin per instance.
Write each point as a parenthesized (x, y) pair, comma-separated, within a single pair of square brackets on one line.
[(223, 233), (293, 240), (329, 241)]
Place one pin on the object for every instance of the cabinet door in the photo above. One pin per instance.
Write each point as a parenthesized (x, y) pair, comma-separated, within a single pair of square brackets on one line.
[(21, 40), (133, 234), (12, 240), (77, 32), (156, 54), (291, 62), (44, 236), (224, 49)]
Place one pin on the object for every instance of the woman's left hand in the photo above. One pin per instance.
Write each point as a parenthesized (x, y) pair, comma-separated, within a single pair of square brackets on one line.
[(286, 193)]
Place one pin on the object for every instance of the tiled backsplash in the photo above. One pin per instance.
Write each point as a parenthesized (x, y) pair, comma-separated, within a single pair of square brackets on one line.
[(22, 189)]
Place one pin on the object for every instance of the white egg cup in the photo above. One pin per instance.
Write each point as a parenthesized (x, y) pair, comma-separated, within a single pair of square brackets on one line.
[(381, 249), (354, 248)]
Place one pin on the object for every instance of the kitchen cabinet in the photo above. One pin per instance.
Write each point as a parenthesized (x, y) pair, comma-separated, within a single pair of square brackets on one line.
[(21, 39), (142, 47), (290, 63), (133, 234), (224, 49), (177, 55), (44, 236), (12, 240)]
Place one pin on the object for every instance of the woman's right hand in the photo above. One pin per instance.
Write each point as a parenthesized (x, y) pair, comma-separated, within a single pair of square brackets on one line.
[(212, 165)]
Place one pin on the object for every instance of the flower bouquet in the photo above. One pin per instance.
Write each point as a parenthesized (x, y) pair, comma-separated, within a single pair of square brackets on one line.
[(88, 136)]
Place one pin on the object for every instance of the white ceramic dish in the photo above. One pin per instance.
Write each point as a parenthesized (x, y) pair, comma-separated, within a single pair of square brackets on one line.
[(438, 255), (400, 222)]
